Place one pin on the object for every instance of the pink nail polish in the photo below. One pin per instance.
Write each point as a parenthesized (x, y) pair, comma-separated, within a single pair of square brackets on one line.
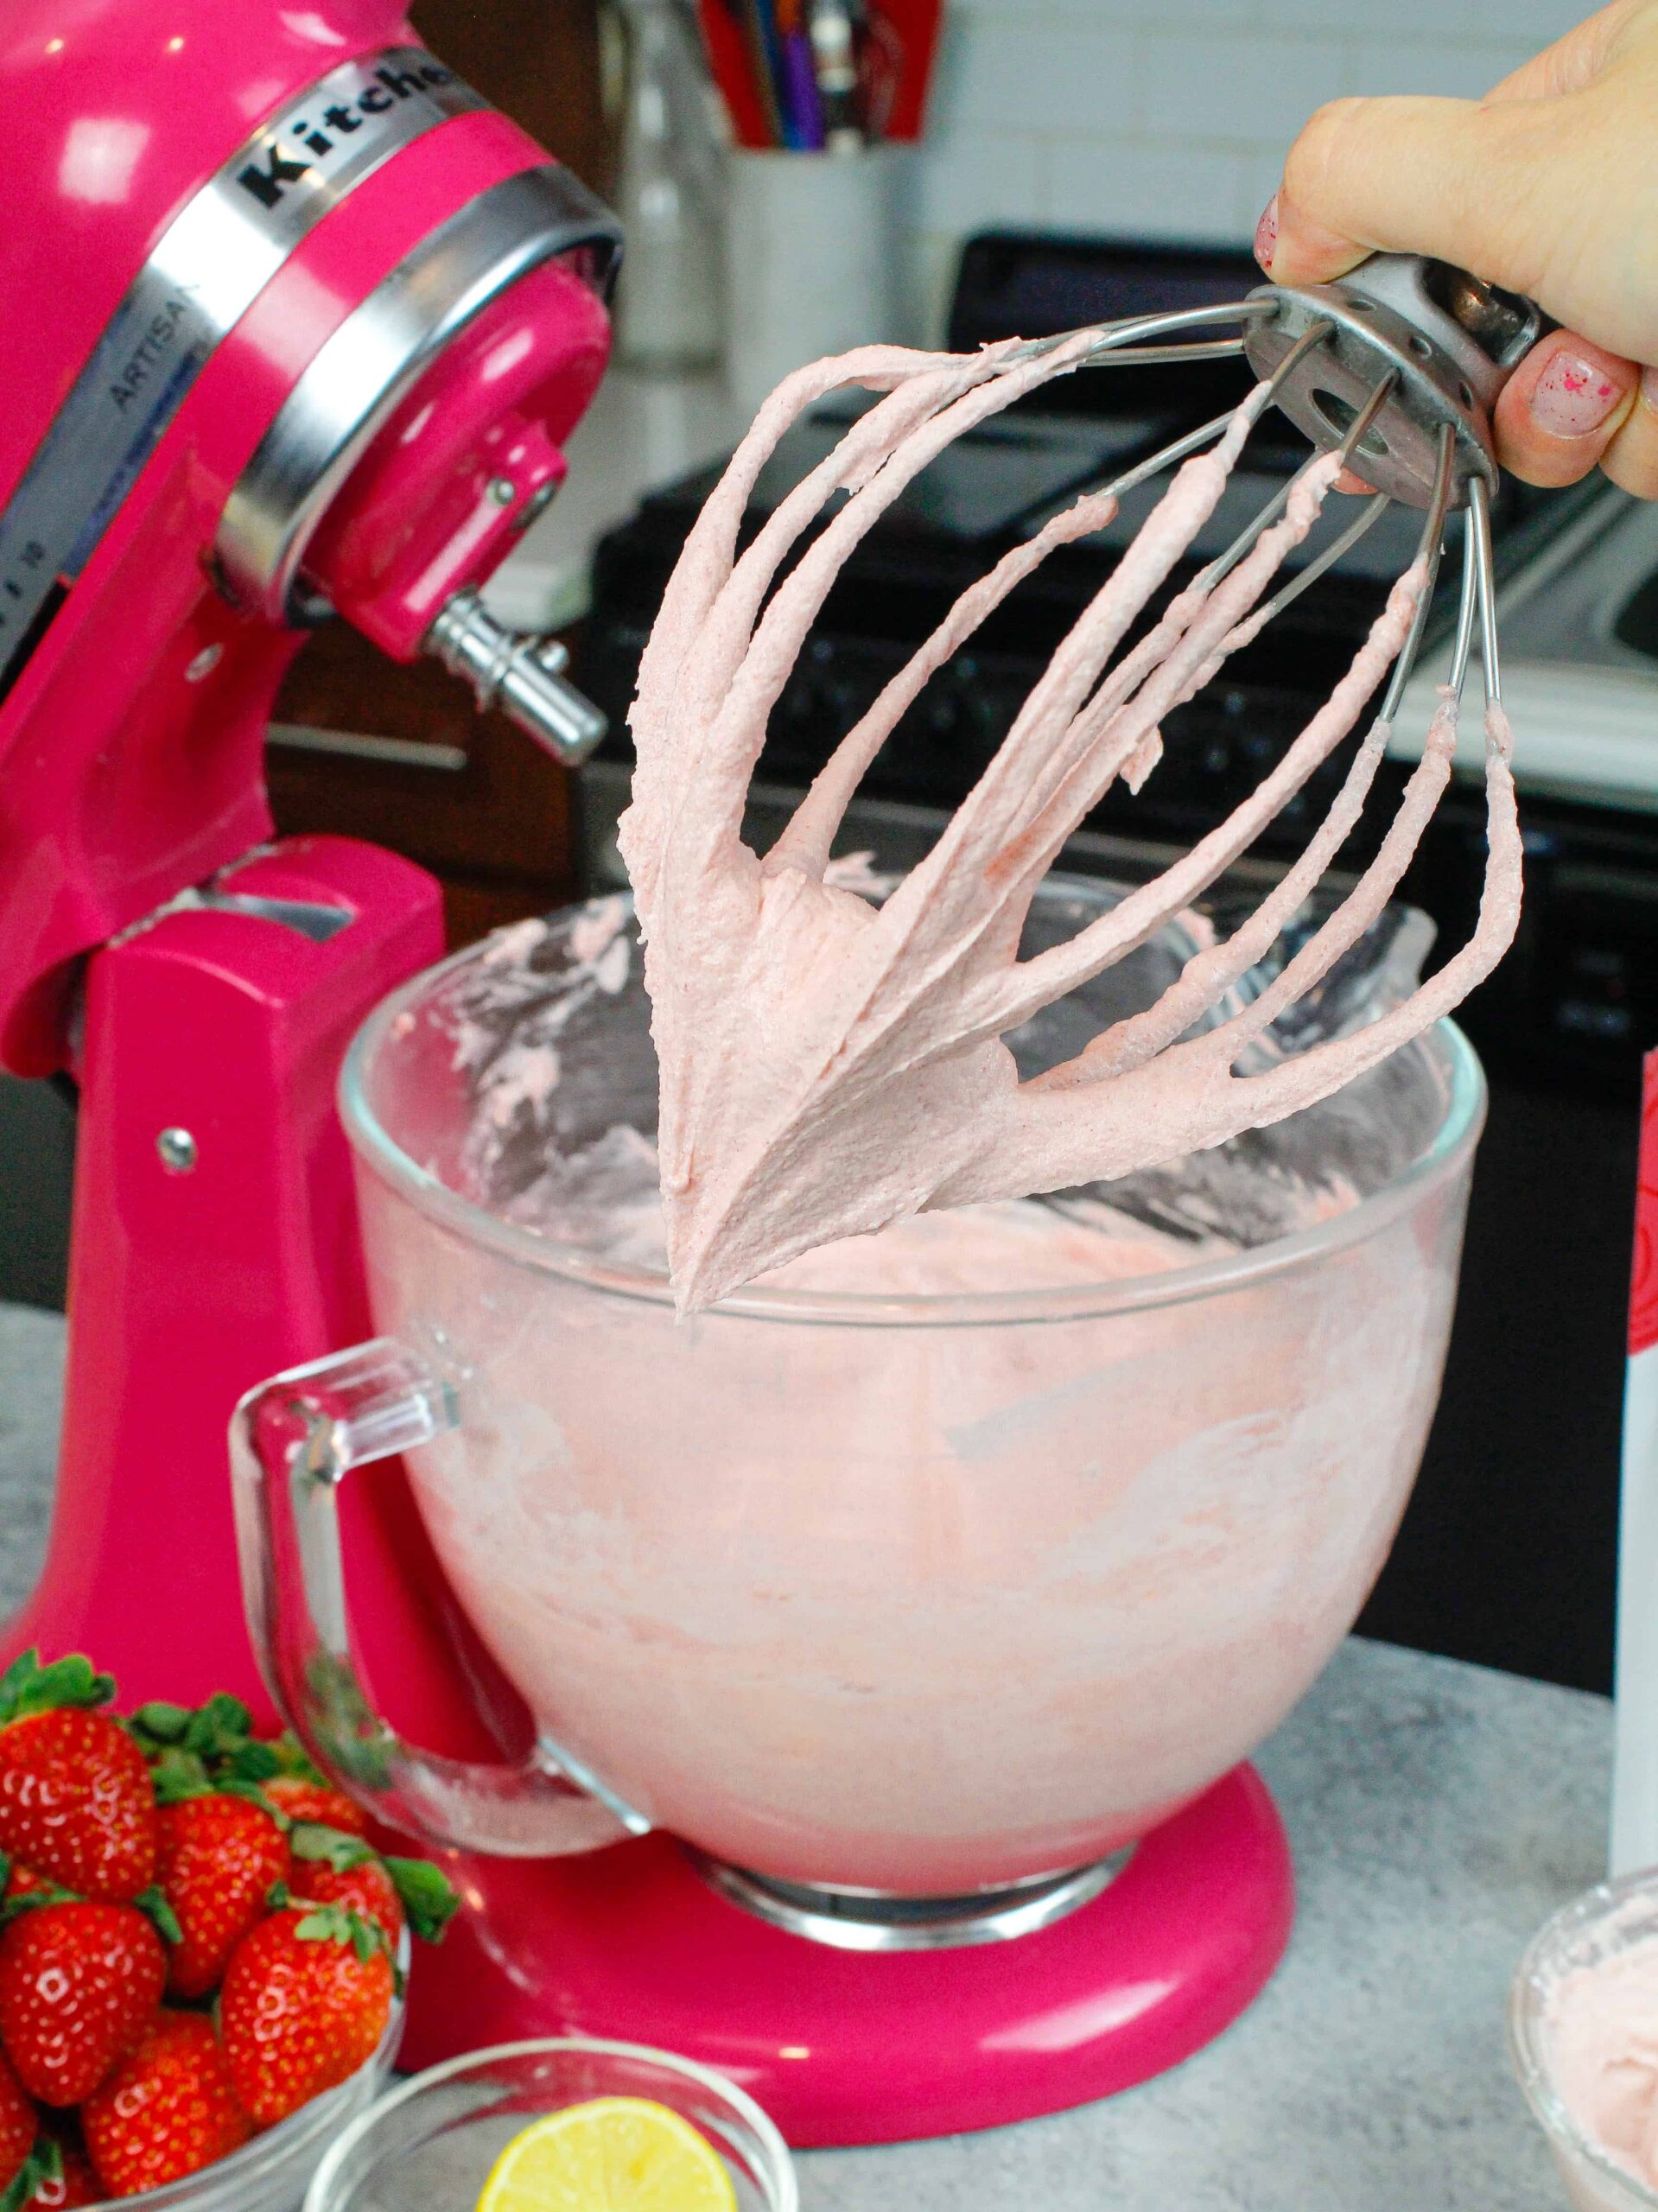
[(1572, 397), (1267, 235), (1649, 388)]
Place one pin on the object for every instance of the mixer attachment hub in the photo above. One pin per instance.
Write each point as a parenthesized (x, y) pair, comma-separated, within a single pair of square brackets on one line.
[(1447, 339)]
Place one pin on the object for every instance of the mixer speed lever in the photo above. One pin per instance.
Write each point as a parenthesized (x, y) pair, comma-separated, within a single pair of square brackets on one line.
[(522, 675)]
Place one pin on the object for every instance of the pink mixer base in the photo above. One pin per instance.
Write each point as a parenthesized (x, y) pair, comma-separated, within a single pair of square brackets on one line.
[(846, 2047)]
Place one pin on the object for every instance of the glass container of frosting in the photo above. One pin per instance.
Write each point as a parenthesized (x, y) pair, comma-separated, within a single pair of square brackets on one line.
[(1583, 2035), (940, 1560)]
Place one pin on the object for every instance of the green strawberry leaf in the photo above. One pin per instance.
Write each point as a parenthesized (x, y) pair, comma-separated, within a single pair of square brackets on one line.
[(334, 1923), (429, 1898), (31, 1900), (233, 1785), (176, 1774), (160, 1722), (310, 1840), (27, 1688), (219, 1728), (279, 1897), (154, 1902), (326, 1924), (44, 2164), (252, 1761), (295, 1761)]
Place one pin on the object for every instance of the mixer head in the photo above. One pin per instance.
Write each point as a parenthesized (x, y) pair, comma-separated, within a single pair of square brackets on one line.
[(320, 323)]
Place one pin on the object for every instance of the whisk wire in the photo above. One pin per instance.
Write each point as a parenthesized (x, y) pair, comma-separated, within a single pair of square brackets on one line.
[(1336, 551), (1466, 611), (1169, 456), (1479, 533), (1128, 330), (1429, 554), (1220, 569)]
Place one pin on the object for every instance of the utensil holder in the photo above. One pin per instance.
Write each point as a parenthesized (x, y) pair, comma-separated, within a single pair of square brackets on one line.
[(811, 260)]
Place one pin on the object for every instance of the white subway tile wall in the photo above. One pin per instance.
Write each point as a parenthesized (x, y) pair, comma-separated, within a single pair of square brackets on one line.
[(1166, 118)]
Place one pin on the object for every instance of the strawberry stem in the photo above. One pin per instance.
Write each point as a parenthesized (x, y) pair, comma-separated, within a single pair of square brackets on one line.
[(154, 1902), (44, 2164)]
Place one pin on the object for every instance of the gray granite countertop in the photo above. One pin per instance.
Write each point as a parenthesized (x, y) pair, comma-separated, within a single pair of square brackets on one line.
[(1437, 1814)]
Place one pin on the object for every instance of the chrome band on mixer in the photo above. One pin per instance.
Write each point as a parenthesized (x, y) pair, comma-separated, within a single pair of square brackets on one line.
[(212, 261), (389, 339)]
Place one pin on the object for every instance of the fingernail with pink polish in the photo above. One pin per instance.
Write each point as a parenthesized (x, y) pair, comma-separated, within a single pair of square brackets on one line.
[(1649, 388), (1572, 396), (1267, 235)]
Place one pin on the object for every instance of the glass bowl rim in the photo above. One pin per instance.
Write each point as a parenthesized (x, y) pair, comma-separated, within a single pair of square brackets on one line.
[(1526, 2054), (378, 1153), (765, 2127)]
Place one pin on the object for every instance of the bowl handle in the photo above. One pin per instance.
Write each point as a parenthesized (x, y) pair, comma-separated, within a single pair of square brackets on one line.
[(293, 1440)]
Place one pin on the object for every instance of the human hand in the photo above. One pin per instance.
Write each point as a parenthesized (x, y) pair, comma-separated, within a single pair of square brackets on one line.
[(1548, 187)]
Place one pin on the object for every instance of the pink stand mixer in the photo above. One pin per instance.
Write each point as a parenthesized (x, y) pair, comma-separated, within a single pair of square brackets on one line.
[(300, 326)]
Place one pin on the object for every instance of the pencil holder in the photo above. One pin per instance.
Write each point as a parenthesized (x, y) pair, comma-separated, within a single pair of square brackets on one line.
[(811, 260)]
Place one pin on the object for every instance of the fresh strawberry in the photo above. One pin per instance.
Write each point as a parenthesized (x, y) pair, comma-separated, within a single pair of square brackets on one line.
[(328, 1868), (78, 1985), (306, 2000), (65, 2179), (19, 2125), (364, 1888), (218, 1860), (76, 1801), (166, 2111), (298, 1798)]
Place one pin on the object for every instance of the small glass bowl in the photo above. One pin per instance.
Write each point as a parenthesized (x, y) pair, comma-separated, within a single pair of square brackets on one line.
[(269, 2174), (431, 2143), (1609, 1919)]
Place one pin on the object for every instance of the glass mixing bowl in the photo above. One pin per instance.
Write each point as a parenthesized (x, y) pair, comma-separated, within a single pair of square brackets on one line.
[(933, 1580)]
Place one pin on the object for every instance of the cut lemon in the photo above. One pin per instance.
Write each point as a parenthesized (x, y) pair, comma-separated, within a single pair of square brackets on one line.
[(615, 2154)]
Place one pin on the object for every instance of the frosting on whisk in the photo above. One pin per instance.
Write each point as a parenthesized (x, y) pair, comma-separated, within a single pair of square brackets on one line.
[(829, 1065)]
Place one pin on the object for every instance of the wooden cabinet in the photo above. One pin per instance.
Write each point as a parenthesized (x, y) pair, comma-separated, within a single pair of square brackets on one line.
[(367, 749)]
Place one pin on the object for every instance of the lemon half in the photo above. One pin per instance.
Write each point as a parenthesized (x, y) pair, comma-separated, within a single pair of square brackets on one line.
[(615, 2154)]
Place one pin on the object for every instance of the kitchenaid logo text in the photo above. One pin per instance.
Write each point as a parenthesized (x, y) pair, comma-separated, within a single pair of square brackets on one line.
[(328, 129), (146, 357)]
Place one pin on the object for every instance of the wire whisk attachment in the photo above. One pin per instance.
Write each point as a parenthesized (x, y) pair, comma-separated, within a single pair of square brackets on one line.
[(882, 1086)]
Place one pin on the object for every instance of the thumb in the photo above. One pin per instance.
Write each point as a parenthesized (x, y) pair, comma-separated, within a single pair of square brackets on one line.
[(1460, 181)]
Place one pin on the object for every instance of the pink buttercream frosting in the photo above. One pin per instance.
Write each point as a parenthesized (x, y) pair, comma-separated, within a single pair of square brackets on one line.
[(1602, 2025), (828, 1065)]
